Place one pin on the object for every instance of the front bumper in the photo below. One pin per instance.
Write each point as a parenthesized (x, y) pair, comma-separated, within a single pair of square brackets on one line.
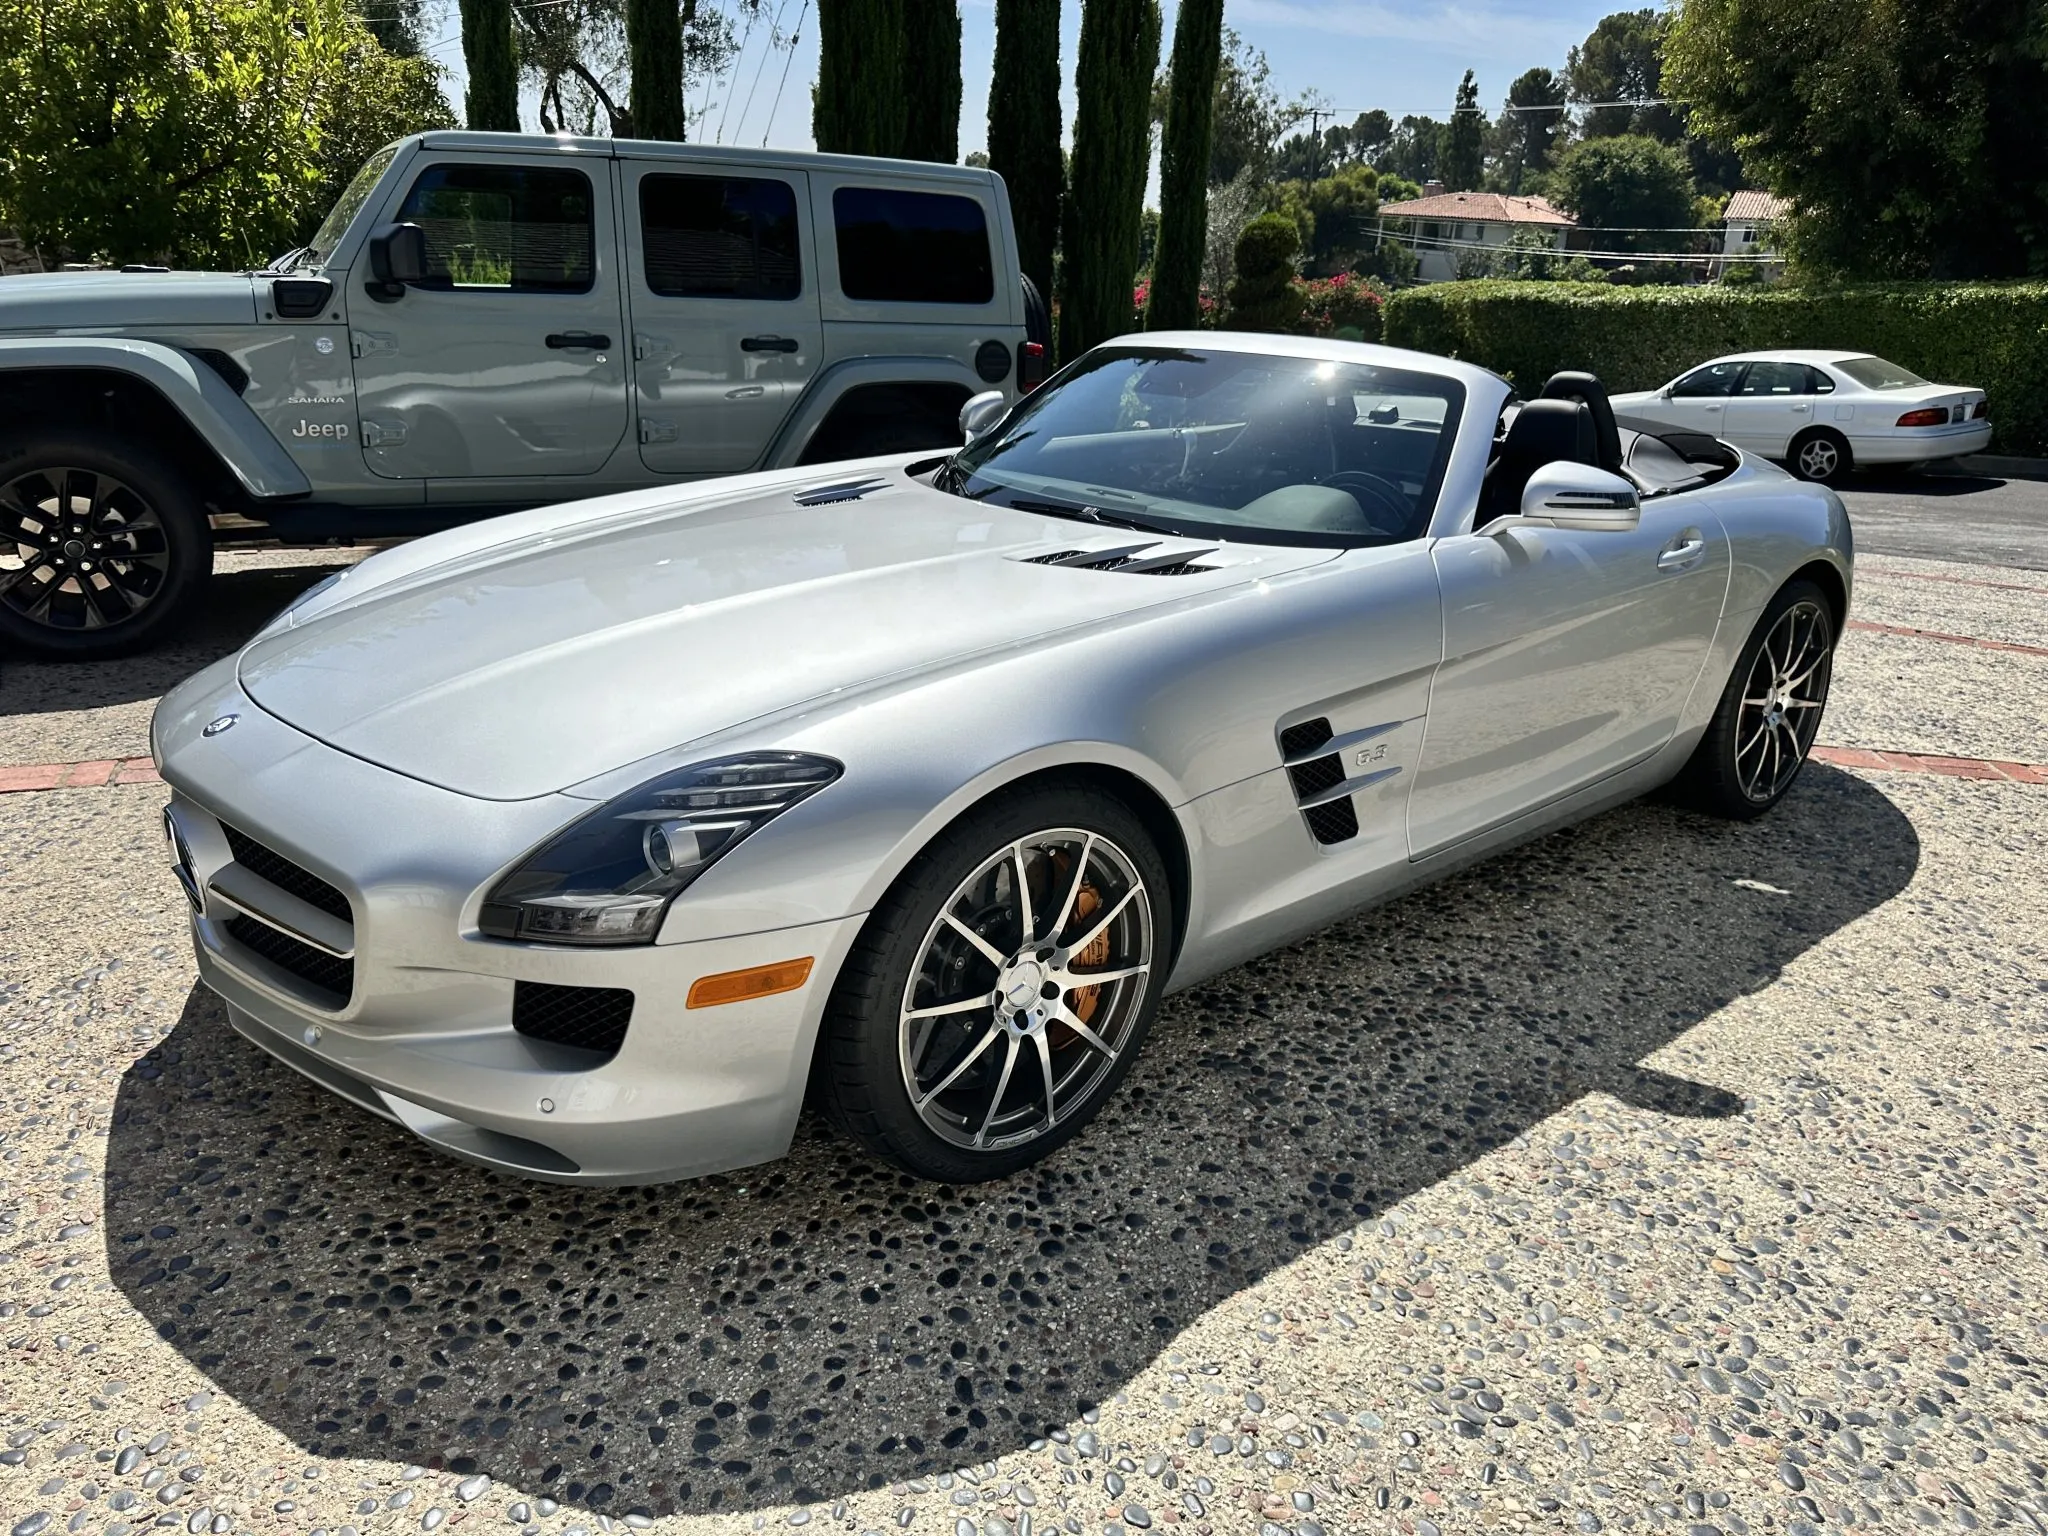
[(409, 1012), (1910, 445)]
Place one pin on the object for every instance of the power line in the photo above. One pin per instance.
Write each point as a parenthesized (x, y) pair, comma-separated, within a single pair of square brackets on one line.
[(774, 28), (753, 16), (794, 38), (1562, 106)]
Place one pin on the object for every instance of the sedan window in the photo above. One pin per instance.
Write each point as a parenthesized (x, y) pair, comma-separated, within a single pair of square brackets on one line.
[(1774, 379), (1876, 373), (1712, 381), (1818, 382), (1290, 450)]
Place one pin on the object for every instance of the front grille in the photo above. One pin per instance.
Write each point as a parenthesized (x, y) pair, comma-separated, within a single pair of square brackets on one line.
[(330, 973), (267, 864), (589, 1018)]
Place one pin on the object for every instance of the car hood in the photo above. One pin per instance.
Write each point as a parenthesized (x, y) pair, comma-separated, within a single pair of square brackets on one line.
[(589, 638), (122, 301)]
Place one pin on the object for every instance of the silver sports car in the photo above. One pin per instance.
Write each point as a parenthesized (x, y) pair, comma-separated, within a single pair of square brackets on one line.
[(586, 843)]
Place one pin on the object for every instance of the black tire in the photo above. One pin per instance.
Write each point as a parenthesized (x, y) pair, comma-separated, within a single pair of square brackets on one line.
[(866, 1049), (110, 563), (1725, 775), (1820, 454)]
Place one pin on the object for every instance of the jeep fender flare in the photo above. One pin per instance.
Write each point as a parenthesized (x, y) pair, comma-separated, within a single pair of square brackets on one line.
[(837, 381), (219, 417)]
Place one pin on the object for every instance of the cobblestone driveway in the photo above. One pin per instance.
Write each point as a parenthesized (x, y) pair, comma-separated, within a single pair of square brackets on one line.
[(1662, 1175)]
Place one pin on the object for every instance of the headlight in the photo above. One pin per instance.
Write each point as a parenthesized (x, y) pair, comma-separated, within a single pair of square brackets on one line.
[(608, 878)]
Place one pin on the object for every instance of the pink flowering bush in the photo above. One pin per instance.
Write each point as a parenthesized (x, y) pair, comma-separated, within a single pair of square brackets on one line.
[(1345, 306)]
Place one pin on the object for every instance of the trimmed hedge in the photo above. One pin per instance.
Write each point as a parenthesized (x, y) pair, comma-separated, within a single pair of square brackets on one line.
[(1992, 336)]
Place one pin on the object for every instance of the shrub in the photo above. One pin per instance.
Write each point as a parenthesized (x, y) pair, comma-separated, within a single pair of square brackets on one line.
[(1343, 306), (1264, 297), (1990, 335)]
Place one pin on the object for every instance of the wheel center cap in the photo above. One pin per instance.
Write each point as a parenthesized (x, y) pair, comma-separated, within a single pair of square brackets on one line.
[(73, 548), (1022, 983)]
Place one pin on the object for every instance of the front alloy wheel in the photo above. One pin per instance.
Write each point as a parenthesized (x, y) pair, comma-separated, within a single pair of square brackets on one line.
[(1002, 989)]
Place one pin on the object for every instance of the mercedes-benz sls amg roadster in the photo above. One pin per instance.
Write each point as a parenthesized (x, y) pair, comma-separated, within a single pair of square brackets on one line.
[(590, 841)]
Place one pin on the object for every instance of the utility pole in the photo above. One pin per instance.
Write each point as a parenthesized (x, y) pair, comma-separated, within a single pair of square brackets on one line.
[(1315, 138)]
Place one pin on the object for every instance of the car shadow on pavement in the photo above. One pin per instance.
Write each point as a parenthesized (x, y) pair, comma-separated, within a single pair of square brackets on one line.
[(1933, 481), (237, 604), (821, 1324)]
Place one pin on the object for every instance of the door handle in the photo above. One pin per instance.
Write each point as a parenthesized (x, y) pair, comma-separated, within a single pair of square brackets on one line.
[(573, 341), (1677, 556), (1802, 408), (769, 344), (1713, 407)]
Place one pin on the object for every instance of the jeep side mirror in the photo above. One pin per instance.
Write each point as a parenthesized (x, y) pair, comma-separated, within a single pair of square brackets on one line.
[(1582, 497), (980, 414), (398, 256)]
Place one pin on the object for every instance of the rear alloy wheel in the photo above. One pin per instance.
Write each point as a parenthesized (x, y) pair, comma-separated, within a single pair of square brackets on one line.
[(1820, 456), (1003, 990), (1770, 712), (100, 548)]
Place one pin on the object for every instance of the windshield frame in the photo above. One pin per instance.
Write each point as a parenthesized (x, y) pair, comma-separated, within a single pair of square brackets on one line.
[(958, 471), (355, 197)]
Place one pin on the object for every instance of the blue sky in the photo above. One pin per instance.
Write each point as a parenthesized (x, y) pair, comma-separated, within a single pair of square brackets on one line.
[(1357, 53)]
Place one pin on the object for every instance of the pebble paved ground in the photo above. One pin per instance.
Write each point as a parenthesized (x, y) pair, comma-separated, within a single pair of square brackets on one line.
[(1665, 1175)]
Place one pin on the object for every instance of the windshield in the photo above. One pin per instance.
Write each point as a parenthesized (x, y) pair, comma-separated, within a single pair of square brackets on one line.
[(1219, 444), (1876, 373), (347, 207)]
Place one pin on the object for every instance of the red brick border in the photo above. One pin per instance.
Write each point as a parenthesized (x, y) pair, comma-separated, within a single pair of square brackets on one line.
[(1920, 762), (1935, 634), (94, 774)]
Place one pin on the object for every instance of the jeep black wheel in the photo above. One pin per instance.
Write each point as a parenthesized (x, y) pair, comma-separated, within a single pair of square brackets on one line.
[(101, 548)]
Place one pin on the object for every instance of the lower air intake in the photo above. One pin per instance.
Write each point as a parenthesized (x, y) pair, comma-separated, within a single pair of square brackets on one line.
[(588, 1018), (315, 967)]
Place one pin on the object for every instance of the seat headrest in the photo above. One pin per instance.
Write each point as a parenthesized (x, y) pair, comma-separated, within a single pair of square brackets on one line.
[(1591, 393), (1547, 431)]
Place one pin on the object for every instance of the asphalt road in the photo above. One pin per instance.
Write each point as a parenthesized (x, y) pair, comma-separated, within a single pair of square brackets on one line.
[(1951, 516)]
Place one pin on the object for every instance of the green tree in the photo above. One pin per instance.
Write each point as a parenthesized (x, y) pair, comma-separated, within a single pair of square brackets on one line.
[(1024, 128), (193, 132), (1175, 302), (1248, 116), (1263, 296), (1912, 141), (493, 99), (395, 24), (1334, 216), (859, 107), (1463, 162), (931, 72), (1528, 126), (1626, 182), (1622, 60), (1106, 190), (1413, 151), (654, 39)]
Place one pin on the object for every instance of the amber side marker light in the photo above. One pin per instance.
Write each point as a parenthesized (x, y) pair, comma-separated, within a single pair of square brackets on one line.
[(754, 981)]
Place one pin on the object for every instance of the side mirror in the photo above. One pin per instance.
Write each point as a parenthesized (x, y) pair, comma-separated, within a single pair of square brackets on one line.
[(1582, 497), (1664, 393), (398, 256), (980, 414)]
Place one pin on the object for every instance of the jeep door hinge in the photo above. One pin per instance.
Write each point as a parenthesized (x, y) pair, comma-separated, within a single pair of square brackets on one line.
[(657, 431), (382, 432), (372, 343)]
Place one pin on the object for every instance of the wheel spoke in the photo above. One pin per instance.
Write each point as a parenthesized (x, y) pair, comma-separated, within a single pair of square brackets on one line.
[(989, 952), (1026, 927), (1079, 1026), (960, 1067), (1102, 978), (1059, 923), (940, 1010), (1002, 1087), (1045, 1069), (1081, 943)]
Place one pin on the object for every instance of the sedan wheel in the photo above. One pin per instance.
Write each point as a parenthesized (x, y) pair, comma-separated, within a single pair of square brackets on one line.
[(1020, 959), (1820, 457), (1770, 711)]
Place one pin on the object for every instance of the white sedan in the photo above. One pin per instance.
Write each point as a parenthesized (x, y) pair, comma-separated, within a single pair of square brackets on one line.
[(1821, 413)]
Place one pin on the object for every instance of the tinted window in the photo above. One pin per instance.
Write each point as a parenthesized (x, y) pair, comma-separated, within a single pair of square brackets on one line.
[(912, 247), (720, 237), (1819, 383), (1775, 379), (1876, 373), (1282, 450), (505, 228), (1714, 379)]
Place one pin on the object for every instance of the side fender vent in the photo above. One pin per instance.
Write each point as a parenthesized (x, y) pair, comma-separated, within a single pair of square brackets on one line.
[(1313, 755), (234, 373), (841, 490)]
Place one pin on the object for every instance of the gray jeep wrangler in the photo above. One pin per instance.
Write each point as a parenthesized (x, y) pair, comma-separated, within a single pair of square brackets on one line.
[(486, 322)]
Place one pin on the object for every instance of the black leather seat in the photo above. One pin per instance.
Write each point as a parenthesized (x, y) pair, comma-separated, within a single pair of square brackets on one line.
[(1543, 432), (1591, 393)]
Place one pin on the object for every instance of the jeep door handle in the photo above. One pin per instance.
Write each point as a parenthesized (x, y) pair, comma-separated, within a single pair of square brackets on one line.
[(769, 344), (1677, 556), (567, 341)]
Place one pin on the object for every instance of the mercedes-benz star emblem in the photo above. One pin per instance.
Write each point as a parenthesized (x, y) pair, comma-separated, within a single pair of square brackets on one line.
[(224, 723)]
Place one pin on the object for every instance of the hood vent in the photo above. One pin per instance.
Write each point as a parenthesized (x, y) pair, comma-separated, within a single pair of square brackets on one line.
[(1131, 560), (838, 490)]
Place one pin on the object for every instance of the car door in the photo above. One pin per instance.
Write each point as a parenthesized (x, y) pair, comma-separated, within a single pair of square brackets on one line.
[(1771, 405), (723, 292), (502, 371), (1568, 656), (1698, 401)]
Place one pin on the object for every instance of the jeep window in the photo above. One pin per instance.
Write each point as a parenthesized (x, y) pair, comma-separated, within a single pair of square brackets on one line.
[(899, 247), (504, 228), (343, 213), (720, 237)]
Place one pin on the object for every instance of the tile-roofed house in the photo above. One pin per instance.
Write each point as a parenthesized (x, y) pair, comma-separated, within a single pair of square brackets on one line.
[(1452, 226), (1744, 222)]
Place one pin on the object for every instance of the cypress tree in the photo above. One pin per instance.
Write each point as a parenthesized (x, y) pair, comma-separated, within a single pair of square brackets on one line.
[(1175, 303), (1106, 192), (654, 45), (493, 100), (1024, 128), (858, 108), (1463, 162), (931, 80)]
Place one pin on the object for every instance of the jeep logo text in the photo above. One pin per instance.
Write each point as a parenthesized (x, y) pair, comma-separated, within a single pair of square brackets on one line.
[(327, 429)]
